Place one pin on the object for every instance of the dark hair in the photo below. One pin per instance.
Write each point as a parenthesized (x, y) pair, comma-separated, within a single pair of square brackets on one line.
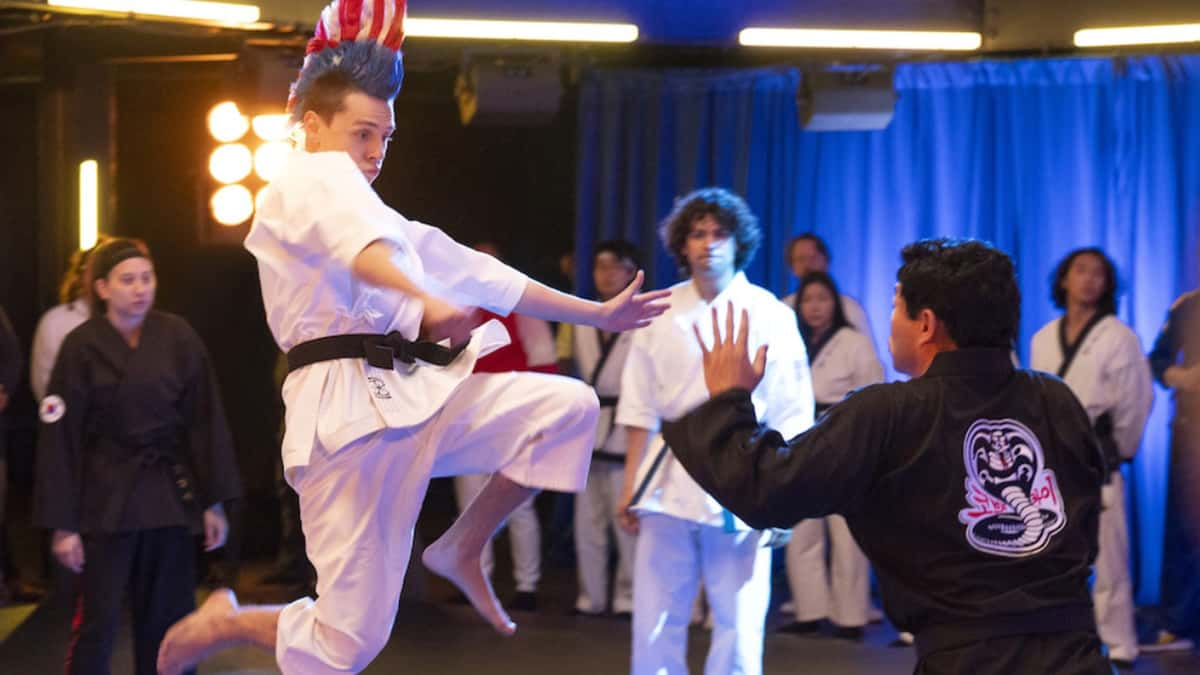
[(1108, 300), (969, 285), (839, 314), (817, 241), (329, 75), (730, 210), (75, 283), (104, 258), (621, 250)]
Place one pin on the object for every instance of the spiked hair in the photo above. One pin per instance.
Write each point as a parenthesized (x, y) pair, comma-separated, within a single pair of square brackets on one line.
[(356, 42)]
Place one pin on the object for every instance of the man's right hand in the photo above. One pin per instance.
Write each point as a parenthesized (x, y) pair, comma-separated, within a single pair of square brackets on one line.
[(442, 320), (68, 549)]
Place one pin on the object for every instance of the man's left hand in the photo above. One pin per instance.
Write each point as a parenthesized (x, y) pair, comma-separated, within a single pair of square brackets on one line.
[(727, 365)]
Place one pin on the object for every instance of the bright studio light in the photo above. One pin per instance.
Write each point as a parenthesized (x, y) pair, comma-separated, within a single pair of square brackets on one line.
[(226, 123), (232, 205), (552, 31), (1138, 35), (231, 163), (819, 38), (219, 12), (271, 127), (89, 203), (270, 158)]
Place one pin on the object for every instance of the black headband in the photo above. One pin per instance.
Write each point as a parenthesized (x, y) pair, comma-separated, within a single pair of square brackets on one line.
[(115, 254)]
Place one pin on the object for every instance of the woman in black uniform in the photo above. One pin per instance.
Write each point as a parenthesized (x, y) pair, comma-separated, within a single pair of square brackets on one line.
[(134, 460)]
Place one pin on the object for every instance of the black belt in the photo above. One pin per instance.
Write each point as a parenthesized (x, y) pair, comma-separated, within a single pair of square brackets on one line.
[(608, 401), (609, 457), (379, 350), (1061, 619)]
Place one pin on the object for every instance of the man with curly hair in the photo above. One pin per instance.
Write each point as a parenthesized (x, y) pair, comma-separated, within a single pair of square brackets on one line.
[(685, 537)]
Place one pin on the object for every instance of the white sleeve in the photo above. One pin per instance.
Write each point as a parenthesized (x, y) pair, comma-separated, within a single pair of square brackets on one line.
[(537, 340), (41, 358), (1129, 374), (463, 274), (787, 382), (637, 406)]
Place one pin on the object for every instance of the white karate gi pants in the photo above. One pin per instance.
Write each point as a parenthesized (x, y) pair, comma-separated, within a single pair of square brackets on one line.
[(595, 516), (524, 534), (674, 555), (1112, 588), (839, 591), (359, 503)]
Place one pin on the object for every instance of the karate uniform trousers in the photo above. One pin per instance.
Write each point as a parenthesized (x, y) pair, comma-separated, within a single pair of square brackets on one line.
[(359, 503)]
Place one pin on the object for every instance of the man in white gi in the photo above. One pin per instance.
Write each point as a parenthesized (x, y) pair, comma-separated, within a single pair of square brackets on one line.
[(600, 360), (1101, 360), (684, 536), (359, 298)]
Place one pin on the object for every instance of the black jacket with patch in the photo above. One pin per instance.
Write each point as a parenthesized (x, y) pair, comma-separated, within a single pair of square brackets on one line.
[(974, 489), (132, 438)]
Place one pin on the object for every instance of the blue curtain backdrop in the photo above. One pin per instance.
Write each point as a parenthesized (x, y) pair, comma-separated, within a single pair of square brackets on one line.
[(1036, 156)]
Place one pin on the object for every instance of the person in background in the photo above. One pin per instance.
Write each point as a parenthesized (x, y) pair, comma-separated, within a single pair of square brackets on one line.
[(134, 459), (842, 360), (1101, 360), (808, 253), (1175, 362), (685, 539), (61, 319), (600, 359)]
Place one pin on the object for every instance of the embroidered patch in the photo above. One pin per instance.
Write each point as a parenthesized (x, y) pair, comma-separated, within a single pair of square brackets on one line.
[(1014, 503), (378, 388), (52, 409)]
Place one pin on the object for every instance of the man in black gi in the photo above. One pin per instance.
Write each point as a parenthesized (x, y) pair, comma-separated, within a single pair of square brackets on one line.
[(974, 488)]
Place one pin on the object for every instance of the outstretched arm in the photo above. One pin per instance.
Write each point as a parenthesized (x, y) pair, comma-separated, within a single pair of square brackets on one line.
[(763, 479), (628, 310)]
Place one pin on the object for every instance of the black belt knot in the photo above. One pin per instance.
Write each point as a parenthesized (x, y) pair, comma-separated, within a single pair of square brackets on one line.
[(380, 351)]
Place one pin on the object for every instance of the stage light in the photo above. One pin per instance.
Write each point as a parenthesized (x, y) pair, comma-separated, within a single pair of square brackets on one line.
[(817, 38), (272, 127), (89, 203), (232, 205), (219, 12), (226, 123), (230, 163), (549, 31), (1138, 35), (270, 158)]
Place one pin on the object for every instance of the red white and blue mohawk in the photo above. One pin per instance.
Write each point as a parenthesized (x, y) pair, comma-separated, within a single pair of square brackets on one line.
[(361, 40)]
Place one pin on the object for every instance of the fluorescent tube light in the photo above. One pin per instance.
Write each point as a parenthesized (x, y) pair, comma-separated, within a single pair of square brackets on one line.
[(549, 31), (820, 38)]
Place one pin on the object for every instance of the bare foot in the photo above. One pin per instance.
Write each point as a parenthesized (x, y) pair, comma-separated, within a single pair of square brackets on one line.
[(465, 570), (198, 634)]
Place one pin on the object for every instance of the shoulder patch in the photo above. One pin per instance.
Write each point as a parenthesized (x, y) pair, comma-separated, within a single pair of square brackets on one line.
[(52, 408), (1014, 505)]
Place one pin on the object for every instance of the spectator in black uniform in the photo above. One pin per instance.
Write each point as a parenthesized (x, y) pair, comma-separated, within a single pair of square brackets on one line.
[(134, 459)]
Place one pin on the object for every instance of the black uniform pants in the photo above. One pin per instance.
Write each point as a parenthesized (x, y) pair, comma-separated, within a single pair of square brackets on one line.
[(158, 567), (1068, 653)]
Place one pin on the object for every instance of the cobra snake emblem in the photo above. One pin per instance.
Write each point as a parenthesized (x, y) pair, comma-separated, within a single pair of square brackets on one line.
[(1005, 460)]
